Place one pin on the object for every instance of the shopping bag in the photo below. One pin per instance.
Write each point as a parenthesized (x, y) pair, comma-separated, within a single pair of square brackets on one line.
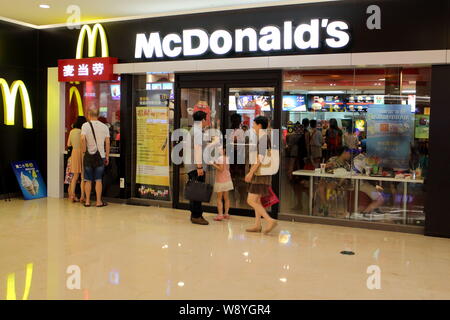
[(69, 175), (270, 199), (198, 191)]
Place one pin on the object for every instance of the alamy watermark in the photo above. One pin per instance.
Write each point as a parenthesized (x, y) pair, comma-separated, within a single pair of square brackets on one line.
[(74, 19), (197, 146)]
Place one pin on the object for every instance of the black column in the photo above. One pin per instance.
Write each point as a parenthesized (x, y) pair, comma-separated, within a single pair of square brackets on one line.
[(437, 211), (126, 138)]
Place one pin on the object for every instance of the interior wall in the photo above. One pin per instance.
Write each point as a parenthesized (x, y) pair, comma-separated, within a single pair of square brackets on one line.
[(18, 61), (437, 222)]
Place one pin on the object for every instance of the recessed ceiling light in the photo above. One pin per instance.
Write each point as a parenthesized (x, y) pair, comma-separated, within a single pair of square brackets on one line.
[(44, 6)]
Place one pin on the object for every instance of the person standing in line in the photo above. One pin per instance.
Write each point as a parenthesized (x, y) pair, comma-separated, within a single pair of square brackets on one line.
[(303, 145), (315, 141), (76, 158), (350, 139), (333, 139), (259, 185), (196, 168), (95, 137), (294, 160), (222, 185)]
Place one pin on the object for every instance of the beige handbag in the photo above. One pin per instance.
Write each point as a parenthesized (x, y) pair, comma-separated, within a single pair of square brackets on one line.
[(270, 163)]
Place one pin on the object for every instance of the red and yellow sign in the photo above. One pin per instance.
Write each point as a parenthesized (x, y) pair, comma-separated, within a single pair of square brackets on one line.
[(88, 69)]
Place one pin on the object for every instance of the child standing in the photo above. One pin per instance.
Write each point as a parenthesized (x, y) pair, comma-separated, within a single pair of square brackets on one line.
[(222, 185)]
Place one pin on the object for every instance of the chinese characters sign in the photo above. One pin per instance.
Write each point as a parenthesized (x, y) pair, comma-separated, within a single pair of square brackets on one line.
[(89, 69), (30, 179)]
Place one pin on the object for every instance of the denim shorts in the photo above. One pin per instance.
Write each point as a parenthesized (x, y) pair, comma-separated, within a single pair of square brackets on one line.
[(91, 174)]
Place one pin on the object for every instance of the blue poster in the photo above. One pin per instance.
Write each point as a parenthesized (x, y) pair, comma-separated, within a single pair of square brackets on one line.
[(30, 179), (390, 128)]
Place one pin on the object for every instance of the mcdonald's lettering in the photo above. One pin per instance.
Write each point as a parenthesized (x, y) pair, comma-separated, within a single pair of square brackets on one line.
[(9, 103), (92, 35)]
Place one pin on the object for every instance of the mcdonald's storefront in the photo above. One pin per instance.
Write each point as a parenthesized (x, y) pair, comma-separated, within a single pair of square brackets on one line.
[(352, 62)]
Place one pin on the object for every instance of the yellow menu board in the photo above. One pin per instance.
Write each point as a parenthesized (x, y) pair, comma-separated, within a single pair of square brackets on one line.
[(152, 152)]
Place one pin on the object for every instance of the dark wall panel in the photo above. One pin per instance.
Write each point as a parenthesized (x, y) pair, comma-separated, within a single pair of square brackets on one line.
[(18, 61), (437, 221)]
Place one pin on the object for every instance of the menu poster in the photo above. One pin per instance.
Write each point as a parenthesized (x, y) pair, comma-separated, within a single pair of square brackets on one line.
[(30, 179), (389, 133), (422, 130), (152, 154)]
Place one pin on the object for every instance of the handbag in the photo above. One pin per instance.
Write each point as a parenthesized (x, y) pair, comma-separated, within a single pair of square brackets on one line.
[(93, 160), (270, 163), (69, 175), (270, 199), (69, 151), (198, 191)]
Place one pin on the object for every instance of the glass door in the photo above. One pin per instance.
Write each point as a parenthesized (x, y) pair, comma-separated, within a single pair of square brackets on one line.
[(231, 101), (244, 104), (192, 100)]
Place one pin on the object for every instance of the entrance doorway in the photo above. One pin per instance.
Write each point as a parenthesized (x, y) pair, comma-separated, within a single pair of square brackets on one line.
[(231, 100)]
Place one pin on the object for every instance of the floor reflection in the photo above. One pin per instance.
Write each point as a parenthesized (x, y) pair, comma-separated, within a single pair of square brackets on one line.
[(53, 249)]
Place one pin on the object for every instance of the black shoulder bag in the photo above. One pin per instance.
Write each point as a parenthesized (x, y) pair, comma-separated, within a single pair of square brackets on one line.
[(93, 160)]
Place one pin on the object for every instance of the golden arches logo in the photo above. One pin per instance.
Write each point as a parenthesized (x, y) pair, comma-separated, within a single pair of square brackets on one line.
[(9, 102), (92, 35), (74, 92), (11, 284)]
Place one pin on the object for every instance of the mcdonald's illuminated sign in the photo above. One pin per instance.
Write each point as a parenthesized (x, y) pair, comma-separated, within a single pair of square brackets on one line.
[(91, 68), (9, 103), (74, 92), (92, 35)]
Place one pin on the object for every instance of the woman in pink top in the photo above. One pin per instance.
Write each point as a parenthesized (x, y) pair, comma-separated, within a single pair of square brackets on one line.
[(222, 185)]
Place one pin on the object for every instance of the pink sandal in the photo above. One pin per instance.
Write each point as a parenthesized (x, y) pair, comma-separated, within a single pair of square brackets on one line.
[(218, 218)]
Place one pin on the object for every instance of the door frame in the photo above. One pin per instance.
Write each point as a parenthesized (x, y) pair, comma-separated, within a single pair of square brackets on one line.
[(226, 80)]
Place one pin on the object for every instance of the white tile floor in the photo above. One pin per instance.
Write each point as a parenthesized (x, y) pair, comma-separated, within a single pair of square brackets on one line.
[(131, 252)]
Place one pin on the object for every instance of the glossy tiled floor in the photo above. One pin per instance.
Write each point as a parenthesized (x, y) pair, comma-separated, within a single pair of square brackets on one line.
[(130, 252)]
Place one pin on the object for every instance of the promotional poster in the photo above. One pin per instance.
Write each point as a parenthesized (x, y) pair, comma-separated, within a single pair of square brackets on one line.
[(422, 128), (152, 172), (30, 179), (390, 128)]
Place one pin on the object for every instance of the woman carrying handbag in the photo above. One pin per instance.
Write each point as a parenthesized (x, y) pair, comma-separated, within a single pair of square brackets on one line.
[(260, 183)]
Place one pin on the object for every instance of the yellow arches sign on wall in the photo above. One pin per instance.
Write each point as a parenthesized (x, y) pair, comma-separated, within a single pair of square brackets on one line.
[(74, 91), (9, 102), (92, 35)]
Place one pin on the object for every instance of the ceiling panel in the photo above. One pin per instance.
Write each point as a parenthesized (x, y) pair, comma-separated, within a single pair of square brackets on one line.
[(28, 11)]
